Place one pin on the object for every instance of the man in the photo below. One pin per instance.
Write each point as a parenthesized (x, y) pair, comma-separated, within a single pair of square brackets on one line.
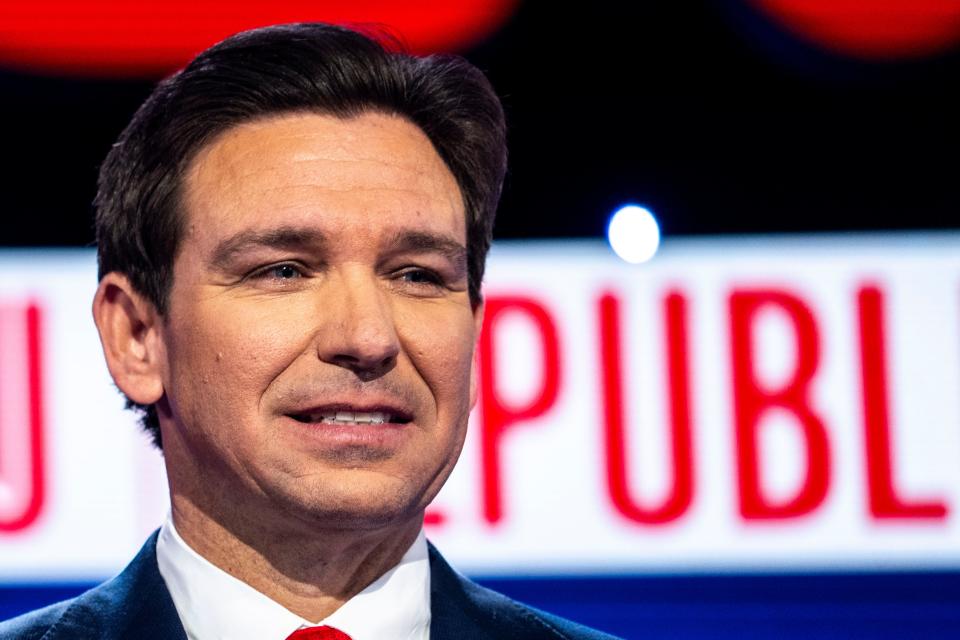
[(292, 234)]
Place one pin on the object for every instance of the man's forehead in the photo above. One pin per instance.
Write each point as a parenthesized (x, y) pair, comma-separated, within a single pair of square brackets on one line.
[(301, 165), (388, 140)]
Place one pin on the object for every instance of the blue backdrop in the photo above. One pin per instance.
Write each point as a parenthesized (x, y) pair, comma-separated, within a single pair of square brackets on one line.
[(744, 606)]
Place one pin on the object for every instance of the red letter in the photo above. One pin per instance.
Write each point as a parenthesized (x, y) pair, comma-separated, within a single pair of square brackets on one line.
[(434, 518), (681, 494), (751, 401), (495, 417), (21, 417), (884, 501)]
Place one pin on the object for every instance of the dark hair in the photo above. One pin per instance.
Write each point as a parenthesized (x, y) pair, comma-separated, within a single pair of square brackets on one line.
[(280, 69)]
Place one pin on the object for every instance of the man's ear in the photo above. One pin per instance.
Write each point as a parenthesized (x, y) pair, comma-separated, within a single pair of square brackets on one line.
[(474, 366), (129, 327)]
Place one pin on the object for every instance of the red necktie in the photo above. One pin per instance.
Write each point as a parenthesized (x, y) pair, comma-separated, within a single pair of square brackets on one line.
[(318, 633)]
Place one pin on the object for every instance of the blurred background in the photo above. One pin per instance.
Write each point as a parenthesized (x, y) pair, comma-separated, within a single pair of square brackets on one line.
[(746, 427)]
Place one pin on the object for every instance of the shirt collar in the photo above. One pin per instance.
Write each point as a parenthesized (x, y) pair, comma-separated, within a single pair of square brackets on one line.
[(214, 605)]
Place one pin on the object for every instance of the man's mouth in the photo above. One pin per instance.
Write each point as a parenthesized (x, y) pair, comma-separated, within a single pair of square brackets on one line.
[(350, 417)]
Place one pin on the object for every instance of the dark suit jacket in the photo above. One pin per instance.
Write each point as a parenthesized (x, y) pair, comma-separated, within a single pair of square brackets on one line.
[(136, 605)]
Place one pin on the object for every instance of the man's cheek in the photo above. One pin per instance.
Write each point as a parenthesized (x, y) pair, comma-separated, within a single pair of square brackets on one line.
[(438, 329), (250, 344)]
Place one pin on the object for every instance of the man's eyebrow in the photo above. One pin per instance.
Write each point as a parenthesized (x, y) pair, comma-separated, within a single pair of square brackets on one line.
[(424, 242), (279, 238)]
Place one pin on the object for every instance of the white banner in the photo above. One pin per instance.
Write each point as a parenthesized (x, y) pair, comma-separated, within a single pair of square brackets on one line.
[(762, 403)]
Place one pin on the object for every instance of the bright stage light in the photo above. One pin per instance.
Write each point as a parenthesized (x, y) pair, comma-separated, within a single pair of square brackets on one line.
[(633, 234)]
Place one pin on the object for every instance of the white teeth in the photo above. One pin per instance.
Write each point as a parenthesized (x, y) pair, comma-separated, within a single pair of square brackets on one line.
[(350, 417)]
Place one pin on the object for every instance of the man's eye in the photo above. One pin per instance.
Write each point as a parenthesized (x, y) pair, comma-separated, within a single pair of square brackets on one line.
[(421, 276), (279, 272)]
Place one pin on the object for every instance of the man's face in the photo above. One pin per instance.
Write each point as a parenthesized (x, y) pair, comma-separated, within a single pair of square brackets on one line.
[(318, 345)]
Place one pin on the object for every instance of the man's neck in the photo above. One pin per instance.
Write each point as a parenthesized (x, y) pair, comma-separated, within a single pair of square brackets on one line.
[(311, 571)]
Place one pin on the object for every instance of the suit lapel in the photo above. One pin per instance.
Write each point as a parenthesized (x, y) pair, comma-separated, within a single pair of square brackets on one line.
[(136, 604), (153, 615), (455, 613)]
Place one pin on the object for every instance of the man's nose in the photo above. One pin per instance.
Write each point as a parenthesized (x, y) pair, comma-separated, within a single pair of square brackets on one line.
[(359, 333)]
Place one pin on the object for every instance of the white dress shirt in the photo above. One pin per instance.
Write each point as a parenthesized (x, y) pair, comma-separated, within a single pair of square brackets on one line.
[(213, 605)]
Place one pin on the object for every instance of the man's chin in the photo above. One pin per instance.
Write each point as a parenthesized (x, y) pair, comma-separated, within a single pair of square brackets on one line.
[(358, 508)]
